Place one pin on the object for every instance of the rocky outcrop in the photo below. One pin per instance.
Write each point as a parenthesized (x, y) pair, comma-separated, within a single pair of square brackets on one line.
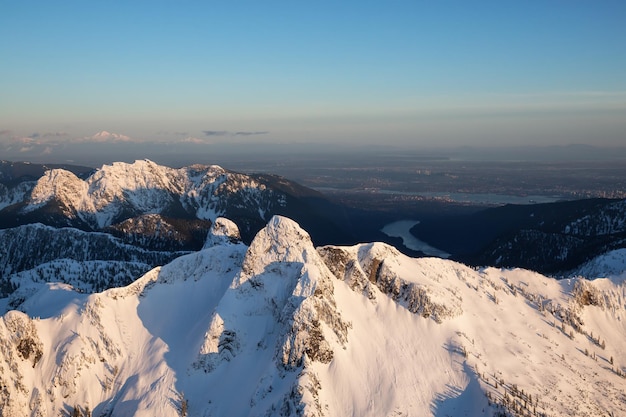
[(371, 266)]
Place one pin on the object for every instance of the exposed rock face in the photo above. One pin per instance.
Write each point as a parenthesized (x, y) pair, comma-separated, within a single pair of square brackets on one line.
[(23, 334), (343, 263), (20, 347), (586, 294), (368, 266)]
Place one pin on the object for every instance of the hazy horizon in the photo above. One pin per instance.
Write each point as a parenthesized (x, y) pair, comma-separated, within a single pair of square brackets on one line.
[(202, 78), (272, 157)]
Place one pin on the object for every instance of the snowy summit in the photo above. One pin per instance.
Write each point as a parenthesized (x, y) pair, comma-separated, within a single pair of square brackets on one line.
[(104, 136)]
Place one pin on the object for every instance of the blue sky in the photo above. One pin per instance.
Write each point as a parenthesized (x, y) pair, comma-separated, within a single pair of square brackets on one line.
[(408, 74)]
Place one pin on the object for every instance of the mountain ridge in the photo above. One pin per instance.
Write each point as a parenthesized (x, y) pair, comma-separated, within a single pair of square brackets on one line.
[(280, 327), (121, 191)]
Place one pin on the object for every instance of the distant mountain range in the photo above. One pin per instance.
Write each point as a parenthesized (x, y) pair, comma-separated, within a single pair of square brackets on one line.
[(118, 197), (160, 209)]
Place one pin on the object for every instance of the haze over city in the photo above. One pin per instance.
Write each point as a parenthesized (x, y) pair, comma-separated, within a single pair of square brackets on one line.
[(134, 78)]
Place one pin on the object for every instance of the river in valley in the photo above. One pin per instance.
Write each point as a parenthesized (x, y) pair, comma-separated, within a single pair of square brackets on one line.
[(402, 229)]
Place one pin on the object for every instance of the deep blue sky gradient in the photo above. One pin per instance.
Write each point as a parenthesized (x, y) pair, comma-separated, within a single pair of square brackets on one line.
[(418, 73)]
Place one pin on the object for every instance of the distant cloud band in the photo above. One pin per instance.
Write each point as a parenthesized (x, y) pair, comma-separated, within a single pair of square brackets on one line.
[(215, 132), (251, 133), (58, 144), (227, 133)]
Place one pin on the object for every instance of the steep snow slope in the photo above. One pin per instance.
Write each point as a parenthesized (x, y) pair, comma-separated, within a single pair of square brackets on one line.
[(611, 264), (280, 328), (517, 329)]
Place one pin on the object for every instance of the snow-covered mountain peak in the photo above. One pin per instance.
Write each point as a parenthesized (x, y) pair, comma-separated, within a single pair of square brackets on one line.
[(282, 241), (285, 239), (140, 174), (282, 280), (370, 255), (60, 184), (101, 134), (104, 136), (223, 231)]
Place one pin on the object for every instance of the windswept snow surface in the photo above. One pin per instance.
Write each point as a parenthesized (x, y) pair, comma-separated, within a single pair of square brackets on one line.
[(282, 328)]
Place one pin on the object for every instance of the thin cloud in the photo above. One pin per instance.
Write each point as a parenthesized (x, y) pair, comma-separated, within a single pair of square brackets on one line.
[(251, 133), (194, 140), (25, 140), (34, 139), (55, 135), (168, 133), (215, 132), (238, 133), (553, 94)]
